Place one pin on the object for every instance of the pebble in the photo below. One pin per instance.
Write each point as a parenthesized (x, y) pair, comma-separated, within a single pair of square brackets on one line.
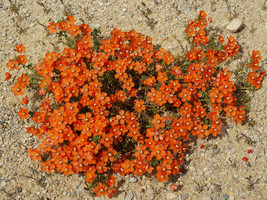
[(151, 196), (185, 196), (170, 195), (235, 176), (19, 189), (231, 198), (158, 1), (129, 196), (3, 184), (216, 151), (206, 198), (133, 179), (235, 25), (99, 198), (43, 178), (5, 7), (225, 197), (121, 196), (32, 19), (135, 196)]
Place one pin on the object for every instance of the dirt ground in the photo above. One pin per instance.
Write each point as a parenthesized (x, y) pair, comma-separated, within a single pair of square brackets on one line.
[(211, 173)]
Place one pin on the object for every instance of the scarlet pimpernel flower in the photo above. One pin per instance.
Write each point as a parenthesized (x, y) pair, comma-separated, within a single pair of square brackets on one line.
[(125, 106)]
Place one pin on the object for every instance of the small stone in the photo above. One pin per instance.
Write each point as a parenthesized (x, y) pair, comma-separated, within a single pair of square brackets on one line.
[(158, 1), (151, 196), (19, 189), (129, 196), (215, 151), (235, 176), (185, 196), (231, 198), (43, 178), (94, 26), (235, 25), (149, 190), (124, 10), (99, 198), (32, 19), (225, 197), (3, 184), (171, 195), (5, 7), (25, 10), (129, 14), (206, 198), (133, 179), (134, 196), (121, 196)]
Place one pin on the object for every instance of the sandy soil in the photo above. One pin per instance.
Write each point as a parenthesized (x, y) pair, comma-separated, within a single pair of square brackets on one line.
[(214, 172)]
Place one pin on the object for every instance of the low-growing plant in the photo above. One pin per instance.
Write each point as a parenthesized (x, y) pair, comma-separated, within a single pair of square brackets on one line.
[(123, 106)]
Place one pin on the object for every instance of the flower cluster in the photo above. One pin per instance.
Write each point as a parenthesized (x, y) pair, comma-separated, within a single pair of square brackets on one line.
[(256, 77), (124, 106)]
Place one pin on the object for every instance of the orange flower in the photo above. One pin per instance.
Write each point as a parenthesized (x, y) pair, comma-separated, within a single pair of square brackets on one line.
[(23, 113), (221, 39), (111, 181), (52, 27), (256, 56), (24, 100), (8, 76), (185, 95), (24, 80), (111, 192), (71, 19), (162, 77), (190, 30), (63, 25), (22, 59), (12, 64), (35, 154), (42, 91), (215, 95), (18, 89), (20, 48), (158, 121), (74, 30), (255, 65), (100, 190), (202, 14), (90, 176), (139, 105)]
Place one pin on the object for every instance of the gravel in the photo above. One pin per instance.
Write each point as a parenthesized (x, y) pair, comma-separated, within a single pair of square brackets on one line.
[(235, 25), (211, 173)]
